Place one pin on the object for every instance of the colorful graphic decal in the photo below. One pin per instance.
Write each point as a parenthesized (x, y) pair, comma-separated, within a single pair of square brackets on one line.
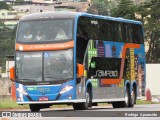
[(95, 83), (92, 52), (121, 84), (131, 65)]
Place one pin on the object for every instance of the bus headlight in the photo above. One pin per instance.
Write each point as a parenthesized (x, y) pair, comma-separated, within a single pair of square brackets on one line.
[(65, 89), (22, 91)]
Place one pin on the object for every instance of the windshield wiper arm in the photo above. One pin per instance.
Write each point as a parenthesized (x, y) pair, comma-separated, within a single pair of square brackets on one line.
[(55, 77), (24, 79), (61, 78)]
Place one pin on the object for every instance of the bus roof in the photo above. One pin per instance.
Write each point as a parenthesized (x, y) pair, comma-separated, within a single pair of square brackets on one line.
[(72, 15), (49, 15)]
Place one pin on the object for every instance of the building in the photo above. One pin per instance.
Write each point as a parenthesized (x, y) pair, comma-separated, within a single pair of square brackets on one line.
[(34, 8), (56, 6), (10, 18), (72, 6), (54, 1), (7, 0)]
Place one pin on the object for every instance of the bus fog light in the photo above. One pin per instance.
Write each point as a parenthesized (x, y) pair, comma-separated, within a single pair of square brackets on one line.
[(19, 99), (22, 91), (70, 97), (65, 89)]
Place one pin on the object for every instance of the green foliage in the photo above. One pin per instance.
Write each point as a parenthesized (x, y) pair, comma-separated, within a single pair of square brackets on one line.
[(19, 0), (98, 8), (102, 7), (152, 30), (83, 0), (3, 5), (125, 9), (7, 40), (141, 102), (150, 11), (9, 104)]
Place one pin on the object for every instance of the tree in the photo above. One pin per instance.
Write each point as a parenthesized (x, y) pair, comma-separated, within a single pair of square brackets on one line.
[(3, 5), (102, 7), (125, 9), (7, 40), (152, 29), (83, 0), (98, 8), (19, 0)]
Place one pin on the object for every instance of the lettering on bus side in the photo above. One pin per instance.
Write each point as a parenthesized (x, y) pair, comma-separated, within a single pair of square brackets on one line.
[(106, 73), (102, 67)]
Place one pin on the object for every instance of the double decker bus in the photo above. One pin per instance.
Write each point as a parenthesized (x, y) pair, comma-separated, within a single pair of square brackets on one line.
[(79, 59)]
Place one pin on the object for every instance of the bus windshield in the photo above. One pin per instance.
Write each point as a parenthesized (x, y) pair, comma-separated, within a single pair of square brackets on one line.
[(44, 66), (45, 30)]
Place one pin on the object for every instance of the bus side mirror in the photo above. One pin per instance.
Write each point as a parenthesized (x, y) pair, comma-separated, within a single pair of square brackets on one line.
[(80, 70), (12, 74)]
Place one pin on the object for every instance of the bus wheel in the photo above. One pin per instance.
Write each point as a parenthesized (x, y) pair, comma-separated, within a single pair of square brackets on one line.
[(77, 106), (90, 98), (85, 105), (88, 102), (132, 97), (127, 98), (117, 104), (34, 107)]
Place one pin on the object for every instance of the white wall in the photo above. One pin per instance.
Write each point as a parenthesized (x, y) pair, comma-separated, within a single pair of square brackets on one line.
[(153, 78), (9, 64)]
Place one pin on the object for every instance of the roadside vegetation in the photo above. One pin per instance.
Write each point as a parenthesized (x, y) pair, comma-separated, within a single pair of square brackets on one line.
[(9, 104)]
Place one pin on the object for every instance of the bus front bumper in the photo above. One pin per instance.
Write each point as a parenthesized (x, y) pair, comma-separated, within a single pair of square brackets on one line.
[(54, 102)]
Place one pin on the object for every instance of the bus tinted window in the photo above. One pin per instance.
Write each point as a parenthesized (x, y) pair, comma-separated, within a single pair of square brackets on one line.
[(109, 30), (104, 30), (128, 33), (137, 34)]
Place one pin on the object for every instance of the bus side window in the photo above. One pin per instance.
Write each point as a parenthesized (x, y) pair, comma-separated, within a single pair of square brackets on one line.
[(128, 33), (82, 39), (120, 39), (123, 32), (137, 34)]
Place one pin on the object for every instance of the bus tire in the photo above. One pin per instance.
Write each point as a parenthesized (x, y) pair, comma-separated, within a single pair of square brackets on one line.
[(132, 97), (85, 105), (116, 104), (34, 107), (77, 106), (127, 98), (90, 98)]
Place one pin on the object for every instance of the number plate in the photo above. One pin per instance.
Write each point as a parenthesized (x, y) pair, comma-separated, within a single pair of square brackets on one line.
[(43, 99)]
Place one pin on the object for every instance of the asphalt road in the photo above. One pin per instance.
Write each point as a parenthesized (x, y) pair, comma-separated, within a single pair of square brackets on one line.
[(99, 113)]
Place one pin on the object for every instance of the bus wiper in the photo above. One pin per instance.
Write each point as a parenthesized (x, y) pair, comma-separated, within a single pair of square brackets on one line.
[(25, 79), (59, 78), (62, 78)]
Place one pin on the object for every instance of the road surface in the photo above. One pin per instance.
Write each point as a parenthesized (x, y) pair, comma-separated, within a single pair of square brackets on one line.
[(149, 111)]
